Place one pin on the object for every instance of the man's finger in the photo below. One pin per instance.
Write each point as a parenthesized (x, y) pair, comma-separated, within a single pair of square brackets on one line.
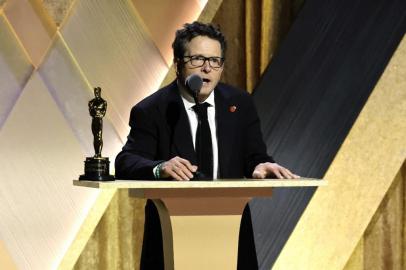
[(287, 174), (168, 170), (179, 172), (178, 166), (178, 175), (278, 174), (173, 175), (187, 163), (257, 174), (183, 174), (292, 175)]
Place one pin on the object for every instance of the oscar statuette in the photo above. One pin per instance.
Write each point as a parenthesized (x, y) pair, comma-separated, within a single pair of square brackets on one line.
[(97, 167)]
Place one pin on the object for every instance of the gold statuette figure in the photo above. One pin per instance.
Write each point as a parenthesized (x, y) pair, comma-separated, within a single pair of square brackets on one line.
[(97, 110), (97, 167)]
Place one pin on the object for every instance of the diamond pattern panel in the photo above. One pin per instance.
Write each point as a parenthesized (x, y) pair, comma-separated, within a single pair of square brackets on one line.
[(39, 209), (32, 25), (46, 80), (113, 49), (71, 92), (15, 69)]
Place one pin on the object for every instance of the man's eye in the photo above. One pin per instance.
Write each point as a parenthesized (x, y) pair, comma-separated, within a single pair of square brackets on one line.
[(215, 60)]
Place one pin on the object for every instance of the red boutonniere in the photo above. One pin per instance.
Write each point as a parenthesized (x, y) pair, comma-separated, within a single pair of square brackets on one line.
[(232, 108)]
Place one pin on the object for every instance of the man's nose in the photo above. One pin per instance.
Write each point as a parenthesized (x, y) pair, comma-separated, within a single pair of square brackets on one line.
[(206, 66)]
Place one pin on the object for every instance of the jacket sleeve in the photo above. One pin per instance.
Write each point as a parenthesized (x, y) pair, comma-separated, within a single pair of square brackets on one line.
[(136, 160)]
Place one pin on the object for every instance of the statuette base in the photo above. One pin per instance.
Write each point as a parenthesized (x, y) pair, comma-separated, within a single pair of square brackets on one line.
[(97, 169)]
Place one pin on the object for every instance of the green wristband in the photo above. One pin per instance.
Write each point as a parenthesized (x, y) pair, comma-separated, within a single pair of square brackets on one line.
[(157, 172)]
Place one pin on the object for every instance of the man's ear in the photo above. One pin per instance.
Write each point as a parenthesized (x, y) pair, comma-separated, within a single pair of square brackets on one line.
[(177, 66)]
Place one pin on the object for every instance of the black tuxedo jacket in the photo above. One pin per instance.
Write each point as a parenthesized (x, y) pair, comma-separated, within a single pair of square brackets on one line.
[(160, 130)]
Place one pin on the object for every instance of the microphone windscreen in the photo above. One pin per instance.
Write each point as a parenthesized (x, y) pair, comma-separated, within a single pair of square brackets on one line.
[(194, 83)]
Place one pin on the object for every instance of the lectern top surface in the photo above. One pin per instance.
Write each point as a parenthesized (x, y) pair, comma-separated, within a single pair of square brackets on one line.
[(219, 183)]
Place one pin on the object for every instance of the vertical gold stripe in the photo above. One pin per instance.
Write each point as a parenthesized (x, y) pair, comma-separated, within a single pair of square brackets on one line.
[(263, 23), (249, 50), (266, 26)]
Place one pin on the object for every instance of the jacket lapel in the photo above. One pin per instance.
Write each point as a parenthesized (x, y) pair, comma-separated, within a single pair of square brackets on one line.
[(178, 124), (225, 124)]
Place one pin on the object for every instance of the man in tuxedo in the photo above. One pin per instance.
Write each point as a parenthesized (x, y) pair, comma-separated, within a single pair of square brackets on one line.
[(171, 137)]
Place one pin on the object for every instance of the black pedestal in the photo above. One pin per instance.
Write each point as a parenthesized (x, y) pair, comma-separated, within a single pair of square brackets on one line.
[(97, 169)]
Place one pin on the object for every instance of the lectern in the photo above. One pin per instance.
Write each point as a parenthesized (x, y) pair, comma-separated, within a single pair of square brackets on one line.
[(200, 220)]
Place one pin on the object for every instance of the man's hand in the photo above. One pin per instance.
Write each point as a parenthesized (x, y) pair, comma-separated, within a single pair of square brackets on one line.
[(268, 169), (178, 168)]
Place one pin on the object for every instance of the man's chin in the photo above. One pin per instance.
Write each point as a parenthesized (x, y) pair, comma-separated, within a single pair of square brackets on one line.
[(204, 93), (207, 88)]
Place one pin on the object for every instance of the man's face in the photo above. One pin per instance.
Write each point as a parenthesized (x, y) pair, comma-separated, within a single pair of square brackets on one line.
[(206, 47)]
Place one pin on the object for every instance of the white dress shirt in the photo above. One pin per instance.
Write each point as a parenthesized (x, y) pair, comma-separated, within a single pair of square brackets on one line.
[(193, 120)]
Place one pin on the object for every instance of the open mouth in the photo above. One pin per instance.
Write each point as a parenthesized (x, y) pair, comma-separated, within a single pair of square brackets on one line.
[(205, 80)]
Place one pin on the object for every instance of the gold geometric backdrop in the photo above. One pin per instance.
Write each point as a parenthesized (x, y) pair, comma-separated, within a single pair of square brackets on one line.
[(52, 54)]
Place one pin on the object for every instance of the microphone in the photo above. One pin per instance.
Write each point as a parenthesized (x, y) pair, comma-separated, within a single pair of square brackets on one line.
[(194, 84)]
